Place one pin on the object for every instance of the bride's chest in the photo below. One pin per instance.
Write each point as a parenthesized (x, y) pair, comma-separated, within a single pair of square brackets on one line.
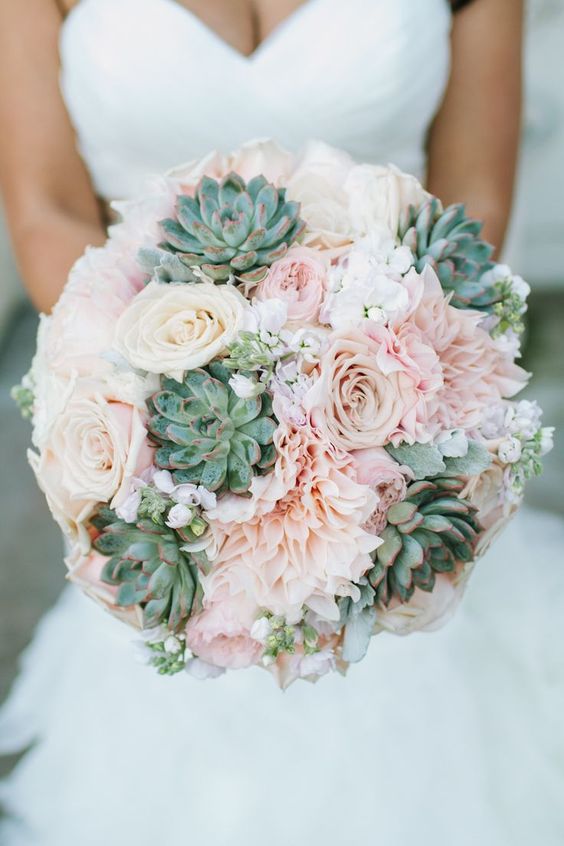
[(366, 75)]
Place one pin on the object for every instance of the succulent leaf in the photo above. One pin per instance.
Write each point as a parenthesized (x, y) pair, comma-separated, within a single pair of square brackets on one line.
[(431, 531), (450, 242), (208, 435), (231, 228), (148, 567)]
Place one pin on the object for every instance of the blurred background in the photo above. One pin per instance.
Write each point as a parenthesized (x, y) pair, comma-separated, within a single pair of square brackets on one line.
[(31, 569)]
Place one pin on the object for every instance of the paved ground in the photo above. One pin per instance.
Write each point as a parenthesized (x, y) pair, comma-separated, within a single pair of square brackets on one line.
[(31, 569)]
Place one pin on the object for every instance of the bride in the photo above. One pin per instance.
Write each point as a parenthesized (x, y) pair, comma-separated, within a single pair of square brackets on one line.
[(447, 739)]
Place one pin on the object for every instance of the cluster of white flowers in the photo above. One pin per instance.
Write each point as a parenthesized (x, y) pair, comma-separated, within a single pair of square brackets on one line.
[(367, 283), (169, 653), (521, 441), (184, 501), (505, 324)]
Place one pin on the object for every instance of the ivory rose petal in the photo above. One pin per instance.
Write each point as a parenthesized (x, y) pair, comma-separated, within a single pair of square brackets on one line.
[(172, 328), (379, 195), (95, 447)]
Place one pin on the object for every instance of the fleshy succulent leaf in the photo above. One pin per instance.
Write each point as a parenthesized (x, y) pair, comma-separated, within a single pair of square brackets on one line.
[(431, 531), (208, 435), (229, 228)]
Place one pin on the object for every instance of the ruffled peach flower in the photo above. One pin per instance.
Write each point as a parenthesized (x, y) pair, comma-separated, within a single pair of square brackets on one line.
[(475, 372), (299, 280), (376, 468), (310, 547), (220, 633), (366, 393)]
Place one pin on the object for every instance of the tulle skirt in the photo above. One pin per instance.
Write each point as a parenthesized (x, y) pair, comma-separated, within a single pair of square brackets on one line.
[(448, 738)]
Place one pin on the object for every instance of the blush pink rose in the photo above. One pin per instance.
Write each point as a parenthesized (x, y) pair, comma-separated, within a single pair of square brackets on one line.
[(376, 468), (364, 395), (299, 280), (220, 633)]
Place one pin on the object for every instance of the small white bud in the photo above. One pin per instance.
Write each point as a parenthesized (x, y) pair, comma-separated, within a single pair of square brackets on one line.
[(509, 450), (172, 645)]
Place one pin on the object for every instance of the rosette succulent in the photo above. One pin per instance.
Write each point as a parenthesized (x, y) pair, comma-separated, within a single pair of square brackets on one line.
[(208, 435), (450, 242), (232, 228), (431, 531), (148, 566)]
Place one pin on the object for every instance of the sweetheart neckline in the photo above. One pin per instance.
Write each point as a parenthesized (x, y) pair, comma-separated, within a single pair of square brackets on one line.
[(247, 58)]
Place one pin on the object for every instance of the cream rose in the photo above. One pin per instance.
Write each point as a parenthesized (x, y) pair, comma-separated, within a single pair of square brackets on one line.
[(353, 401), (299, 280), (172, 328), (94, 448), (378, 195), (317, 184)]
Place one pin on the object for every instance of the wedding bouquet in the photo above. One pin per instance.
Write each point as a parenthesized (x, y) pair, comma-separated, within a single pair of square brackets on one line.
[(271, 414)]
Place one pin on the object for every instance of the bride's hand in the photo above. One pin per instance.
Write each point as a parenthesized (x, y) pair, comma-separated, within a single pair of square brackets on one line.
[(474, 140), (51, 208)]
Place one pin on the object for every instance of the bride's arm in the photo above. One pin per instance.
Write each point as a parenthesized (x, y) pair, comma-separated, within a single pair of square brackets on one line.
[(474, 141), (51, 208)]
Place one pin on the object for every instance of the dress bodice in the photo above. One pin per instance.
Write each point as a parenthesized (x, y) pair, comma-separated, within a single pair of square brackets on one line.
[(149, 86)]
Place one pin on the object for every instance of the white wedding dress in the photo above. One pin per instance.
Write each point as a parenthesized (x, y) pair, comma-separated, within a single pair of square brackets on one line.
[(444, 739)]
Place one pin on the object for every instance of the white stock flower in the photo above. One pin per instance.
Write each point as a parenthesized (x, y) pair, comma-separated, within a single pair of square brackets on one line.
[(524, 418), (546, 439), (173, 328), (179, 516), (366, 283), (266, 318), (172, 645), (378, 299), (129, 509), (503, 273), (244, 387), (261, 629), (308, 342), (186, 493), (509, 450)]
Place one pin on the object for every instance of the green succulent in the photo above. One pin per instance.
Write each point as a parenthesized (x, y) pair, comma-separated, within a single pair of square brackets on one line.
[(431, 531), (450, 242), (149, 568), (209, 436), (232, 227)]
